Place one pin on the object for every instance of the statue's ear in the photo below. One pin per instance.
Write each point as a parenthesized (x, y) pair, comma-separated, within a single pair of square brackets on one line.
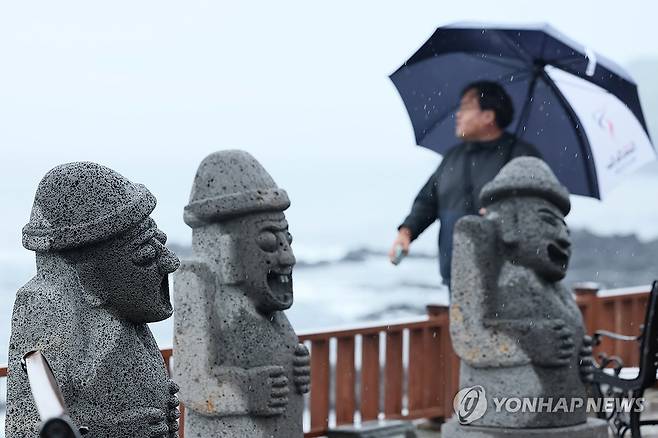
[(229, 266), (508, 223)]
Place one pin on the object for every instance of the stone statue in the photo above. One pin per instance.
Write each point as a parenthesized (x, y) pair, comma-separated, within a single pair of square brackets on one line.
[(241, 367), (102, 269), (516, 328)]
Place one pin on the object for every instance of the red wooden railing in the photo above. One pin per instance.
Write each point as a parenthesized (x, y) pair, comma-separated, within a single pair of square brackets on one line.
[(404, 370), (408, 369)]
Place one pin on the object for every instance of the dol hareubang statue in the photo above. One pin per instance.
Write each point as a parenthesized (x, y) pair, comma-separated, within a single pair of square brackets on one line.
[(102, 269), (516, 328), (241, 367)]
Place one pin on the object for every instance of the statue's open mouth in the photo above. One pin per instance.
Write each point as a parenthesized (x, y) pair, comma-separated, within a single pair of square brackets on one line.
[(558, 255), (281, 286)]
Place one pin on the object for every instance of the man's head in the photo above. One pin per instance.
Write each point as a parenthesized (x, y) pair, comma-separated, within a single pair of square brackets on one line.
[(485, 110), (528, 205), (236, 213), (98, 221)]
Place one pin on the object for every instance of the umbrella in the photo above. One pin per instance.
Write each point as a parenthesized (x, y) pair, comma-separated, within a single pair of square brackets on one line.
[(580, 110)]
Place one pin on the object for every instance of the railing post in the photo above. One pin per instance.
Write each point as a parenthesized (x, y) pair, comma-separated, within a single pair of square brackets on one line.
[(320, 385), (370, 377), (450, 361), (393, 374), (345, 381), (586, 297)]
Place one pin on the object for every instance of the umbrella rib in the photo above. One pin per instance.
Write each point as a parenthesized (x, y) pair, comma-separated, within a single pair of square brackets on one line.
[(543, 45), (564, 62), (580, 135)]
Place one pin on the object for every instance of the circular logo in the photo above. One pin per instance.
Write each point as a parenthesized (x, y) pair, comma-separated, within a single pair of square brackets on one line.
[(470, 404)]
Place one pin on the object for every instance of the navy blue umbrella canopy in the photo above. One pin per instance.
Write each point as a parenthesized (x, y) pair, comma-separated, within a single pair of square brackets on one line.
[(524, 61)]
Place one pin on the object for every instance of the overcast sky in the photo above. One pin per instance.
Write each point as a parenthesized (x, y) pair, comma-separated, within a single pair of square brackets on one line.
[(151, 87)]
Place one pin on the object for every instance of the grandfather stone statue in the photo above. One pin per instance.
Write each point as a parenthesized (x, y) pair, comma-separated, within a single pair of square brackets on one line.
[(516, 328), (241, 367), (102, 269)]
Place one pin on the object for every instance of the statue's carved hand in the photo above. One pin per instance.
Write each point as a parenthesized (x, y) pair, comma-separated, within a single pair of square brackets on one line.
[(550, 343), (144, 422), (586, 360), (173, 413), (302, 369), (268, 390)]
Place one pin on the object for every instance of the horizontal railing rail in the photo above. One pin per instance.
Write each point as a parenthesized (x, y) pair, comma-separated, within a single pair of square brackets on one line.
[(407, 369)]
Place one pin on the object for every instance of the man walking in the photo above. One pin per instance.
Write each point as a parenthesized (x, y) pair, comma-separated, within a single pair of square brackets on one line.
[(452, 191)]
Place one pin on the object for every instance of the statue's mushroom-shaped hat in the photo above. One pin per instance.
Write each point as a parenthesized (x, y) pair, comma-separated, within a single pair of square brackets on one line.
[(526, 176), (230, 184), (81, 203)]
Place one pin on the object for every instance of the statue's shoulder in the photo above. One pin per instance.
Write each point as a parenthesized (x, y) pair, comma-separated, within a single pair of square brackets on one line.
[(195, 267), (22, 317), (194, 280), (43, 318), (38, 298), (35, 284), (474, 242), (476, 227)]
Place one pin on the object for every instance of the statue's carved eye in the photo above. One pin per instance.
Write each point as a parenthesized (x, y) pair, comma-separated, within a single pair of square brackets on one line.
[(267, 241), (145, 255)]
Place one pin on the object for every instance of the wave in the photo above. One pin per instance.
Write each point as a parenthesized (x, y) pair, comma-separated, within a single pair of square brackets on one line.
[(315, 257)]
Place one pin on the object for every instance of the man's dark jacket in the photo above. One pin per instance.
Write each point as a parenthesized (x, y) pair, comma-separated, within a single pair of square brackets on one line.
[(453, 189)]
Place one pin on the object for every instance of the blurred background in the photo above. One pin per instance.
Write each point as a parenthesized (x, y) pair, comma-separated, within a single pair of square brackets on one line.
[(150, 88)]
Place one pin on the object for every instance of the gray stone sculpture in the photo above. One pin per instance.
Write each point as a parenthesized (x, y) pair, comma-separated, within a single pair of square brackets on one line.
[(102, 272), (516, 328), (241, 367)]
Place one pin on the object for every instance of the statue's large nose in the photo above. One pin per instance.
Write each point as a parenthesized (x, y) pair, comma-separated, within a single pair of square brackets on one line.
[(168, 261), (286, 256), (564, 240)]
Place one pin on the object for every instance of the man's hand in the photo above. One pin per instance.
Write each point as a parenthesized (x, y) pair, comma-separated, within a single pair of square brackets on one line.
[(402, 240)]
